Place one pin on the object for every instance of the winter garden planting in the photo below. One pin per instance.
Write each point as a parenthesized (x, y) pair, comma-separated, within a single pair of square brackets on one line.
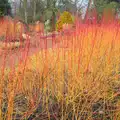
[(77, 77)]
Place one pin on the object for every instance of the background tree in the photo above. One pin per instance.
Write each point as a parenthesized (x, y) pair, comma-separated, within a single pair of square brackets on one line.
[(51, 12), (101, 5), (5, 8), (30, 11)]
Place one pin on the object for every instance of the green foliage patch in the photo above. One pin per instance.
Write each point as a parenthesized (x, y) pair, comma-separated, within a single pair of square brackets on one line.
[(65, 18)]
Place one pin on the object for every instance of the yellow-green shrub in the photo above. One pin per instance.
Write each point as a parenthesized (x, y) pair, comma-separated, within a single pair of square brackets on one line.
[(65, 18)]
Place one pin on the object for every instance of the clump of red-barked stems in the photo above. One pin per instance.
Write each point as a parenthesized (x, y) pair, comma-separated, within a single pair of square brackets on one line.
[(80, 28)]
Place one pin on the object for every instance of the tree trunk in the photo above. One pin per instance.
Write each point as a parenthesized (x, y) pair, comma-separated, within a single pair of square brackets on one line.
[(54, 16), (25, 11), (34, 11), (87, 11)]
